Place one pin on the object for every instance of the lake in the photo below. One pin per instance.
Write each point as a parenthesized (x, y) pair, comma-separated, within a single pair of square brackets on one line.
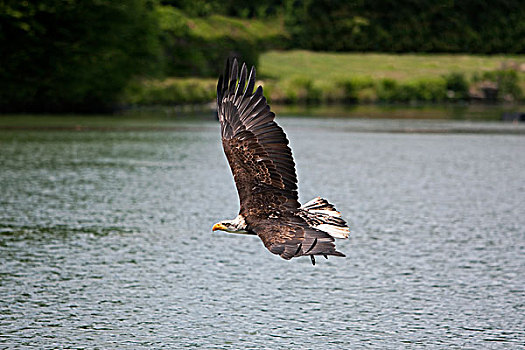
[(106, 242)]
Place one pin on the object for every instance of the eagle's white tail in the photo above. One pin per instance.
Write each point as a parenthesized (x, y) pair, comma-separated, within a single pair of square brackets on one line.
[(323, 216)]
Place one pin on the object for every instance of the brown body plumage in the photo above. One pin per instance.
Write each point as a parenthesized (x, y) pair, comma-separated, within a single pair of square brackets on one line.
[(264, 172)]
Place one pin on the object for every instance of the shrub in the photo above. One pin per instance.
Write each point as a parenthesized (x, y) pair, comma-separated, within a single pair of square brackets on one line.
[(170, 91), (387, 90), (330, 91), (301, 89), (507, 82), (429, 89), (457, 85), (367, 95), (353, 86), (274, 91)]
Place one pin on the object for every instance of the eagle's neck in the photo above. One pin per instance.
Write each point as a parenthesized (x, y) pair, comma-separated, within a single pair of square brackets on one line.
[(240, 224)]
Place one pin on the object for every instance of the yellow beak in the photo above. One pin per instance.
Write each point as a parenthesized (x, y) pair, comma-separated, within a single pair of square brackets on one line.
[(218, 227)]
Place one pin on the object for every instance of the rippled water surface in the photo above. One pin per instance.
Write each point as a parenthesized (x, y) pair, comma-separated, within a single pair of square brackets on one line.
[(105, 239)]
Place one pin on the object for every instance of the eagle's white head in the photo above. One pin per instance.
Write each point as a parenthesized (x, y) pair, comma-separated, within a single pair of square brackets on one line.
[(237, 225)]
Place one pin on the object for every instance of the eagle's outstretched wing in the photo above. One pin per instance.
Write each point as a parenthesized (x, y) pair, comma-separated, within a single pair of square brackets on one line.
[(290, 237), (256, 147), (263, 168)]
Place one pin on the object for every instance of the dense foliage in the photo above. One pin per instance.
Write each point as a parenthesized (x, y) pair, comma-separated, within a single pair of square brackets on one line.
[(233, 8), (74, 55), (195, 46), (470, 26), (83, 55)]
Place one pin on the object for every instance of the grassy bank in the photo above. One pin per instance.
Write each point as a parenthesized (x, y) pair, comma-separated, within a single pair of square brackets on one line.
[(170, 91), (401, 67), (309, 77)]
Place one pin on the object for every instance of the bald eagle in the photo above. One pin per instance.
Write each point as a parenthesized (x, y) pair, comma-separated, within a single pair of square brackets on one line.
[(264, 172)]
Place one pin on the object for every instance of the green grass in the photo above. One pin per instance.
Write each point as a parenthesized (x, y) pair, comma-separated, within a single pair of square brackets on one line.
[(217, 26), (321, 77), (293, 77), (401, 67)]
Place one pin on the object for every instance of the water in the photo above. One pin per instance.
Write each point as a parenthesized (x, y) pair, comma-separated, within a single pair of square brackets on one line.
[(105, 238)]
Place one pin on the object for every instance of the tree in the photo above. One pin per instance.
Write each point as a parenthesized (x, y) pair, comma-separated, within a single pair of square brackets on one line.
[(73, 55), (473, 26)]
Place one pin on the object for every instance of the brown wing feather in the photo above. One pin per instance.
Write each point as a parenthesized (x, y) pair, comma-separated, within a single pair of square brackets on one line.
[(291, 237), (256, 147)]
